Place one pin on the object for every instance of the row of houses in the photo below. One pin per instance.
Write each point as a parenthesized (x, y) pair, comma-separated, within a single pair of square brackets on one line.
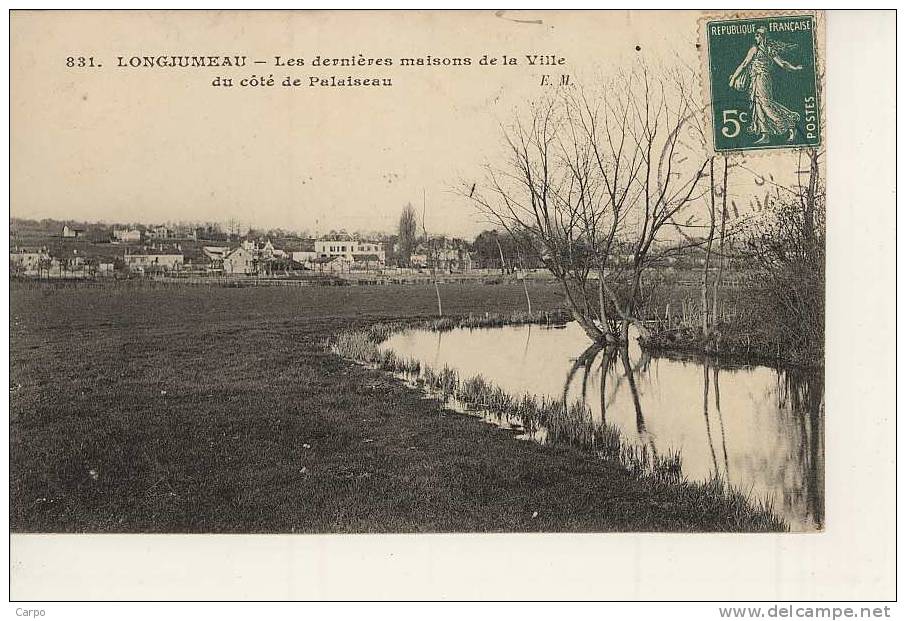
[(160, 250), (445, 258), (329, 256), (39, 262), (116, 235), (337, 256), (151, 233), (249, 257)]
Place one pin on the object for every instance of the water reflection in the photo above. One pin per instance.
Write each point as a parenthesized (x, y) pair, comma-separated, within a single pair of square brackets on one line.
[(758, 427)]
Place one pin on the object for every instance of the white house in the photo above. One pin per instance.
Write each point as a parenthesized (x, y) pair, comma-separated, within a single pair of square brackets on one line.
[(71, 232), (150, 262), (446, 258), (215, 253), (263, 249), (127, 235), (351, 250), (239, 261), (160, 232), (332, 265), (418, 259), (305, 257), (29, 261)]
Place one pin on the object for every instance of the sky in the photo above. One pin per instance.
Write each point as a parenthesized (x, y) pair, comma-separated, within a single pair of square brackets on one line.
[(158, 145)]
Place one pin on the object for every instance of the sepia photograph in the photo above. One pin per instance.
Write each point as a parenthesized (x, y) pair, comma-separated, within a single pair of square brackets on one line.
[(418, 272)]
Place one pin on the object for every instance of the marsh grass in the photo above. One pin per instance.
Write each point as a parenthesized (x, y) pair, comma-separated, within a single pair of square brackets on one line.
[(223, 452), (744, 508), (381, 331), (564, 423), (561, 423)]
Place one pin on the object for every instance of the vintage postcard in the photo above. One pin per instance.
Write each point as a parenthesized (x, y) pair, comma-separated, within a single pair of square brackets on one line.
[(291, 272)]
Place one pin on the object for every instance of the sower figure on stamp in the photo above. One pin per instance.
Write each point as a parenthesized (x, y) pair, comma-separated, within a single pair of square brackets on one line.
[(754, 76)]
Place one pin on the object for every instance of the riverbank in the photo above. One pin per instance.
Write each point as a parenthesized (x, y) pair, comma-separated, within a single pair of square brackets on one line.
[(734, 344), (553, 422), (218, 410)]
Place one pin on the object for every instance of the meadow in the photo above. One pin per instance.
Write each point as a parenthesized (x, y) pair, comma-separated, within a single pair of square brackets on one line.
[(208, 409)]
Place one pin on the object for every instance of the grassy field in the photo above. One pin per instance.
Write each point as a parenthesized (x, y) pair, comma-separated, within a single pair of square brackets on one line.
[(204, 409)]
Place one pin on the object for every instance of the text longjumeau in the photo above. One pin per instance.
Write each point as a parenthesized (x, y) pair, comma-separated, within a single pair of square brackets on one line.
[(357, 61), (231, 61)]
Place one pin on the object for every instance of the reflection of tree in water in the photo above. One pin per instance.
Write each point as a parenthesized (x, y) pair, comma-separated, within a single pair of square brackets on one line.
[(585, 360), (609, 356), (801, 395), (723, 434), (797, 399), (629, 374), (707, 391), (720, 417)]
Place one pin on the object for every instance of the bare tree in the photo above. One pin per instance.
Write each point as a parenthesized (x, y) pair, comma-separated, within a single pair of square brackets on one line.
[(786, 249), (721, 252), (590, 180), (503, 267), (707, 266), (430, 243), (408, 233)]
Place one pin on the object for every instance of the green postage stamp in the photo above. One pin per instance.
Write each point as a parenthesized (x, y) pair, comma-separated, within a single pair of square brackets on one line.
[(764, 83)]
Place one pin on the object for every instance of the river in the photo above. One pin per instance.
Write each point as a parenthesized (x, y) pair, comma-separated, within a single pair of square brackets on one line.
[(759, 427)]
